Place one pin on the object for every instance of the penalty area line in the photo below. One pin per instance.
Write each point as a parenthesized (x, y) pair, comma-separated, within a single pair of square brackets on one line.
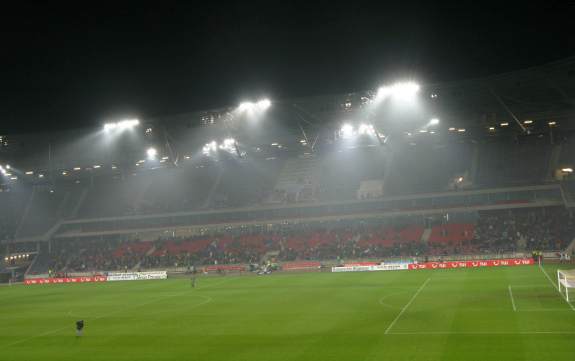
[(407, 306)]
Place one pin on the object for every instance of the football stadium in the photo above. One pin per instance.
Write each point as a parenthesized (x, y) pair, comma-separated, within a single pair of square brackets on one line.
[(396, 223), (416, 220)]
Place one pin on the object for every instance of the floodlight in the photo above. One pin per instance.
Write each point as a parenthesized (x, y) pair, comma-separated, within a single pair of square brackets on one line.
[(402, 90), (264, 104), (110, 126), (245, 106), (210, 147), (152, 153), (346, 130), (228, 145), (128, 123), (405, 90), (434, 121), (261, 104), (366, 129), (567, 170), (121, 125), (383, 92)]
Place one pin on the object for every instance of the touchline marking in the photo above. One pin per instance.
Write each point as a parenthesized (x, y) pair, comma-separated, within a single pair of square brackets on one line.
[(555, 286), (484, 333), (407, 305), (114, 312), (512, 299)]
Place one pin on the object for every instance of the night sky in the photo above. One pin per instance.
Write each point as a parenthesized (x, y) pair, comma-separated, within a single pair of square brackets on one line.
[(67, 67)]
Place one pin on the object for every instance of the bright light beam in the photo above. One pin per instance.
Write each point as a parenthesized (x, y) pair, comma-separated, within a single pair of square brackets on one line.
[(400, 90), (346, 131), (122, 125), (152, 153)]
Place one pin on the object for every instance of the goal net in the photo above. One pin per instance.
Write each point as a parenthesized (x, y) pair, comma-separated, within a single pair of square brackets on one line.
[(565, 281)]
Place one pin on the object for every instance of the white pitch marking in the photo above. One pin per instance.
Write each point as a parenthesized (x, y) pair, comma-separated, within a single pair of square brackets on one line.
[(555, 286), (387, 296), (512, 299), (407, 305), (531, 286), (484, 333)]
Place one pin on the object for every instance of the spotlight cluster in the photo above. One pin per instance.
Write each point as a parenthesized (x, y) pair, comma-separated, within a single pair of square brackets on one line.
[(5, 170), (151, 153), (262, 104), (402, 91), (17, 257), (348, 130), (228, 145), (122, 125)]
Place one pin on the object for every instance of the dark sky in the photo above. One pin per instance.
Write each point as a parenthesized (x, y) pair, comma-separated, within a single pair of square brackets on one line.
[(64, 67)]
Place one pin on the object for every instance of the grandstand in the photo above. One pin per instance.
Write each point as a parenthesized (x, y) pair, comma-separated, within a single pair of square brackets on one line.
[(314, 185), (301, 185)]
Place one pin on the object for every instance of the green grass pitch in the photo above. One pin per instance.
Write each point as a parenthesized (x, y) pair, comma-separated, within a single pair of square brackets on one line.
[(473, 314)]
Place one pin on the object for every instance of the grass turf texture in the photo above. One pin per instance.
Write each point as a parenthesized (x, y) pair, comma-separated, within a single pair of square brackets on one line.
[(404, 315)]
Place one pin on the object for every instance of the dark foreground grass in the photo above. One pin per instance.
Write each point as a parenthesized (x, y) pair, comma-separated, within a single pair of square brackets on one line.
[(480, 314)]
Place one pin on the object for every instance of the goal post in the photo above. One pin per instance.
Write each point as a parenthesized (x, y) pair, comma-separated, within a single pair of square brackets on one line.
[(565, 281)]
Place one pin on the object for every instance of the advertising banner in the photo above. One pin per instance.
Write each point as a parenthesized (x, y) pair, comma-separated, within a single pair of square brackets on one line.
[(137, 276), (473, 264), (40, 281), (379, 267)]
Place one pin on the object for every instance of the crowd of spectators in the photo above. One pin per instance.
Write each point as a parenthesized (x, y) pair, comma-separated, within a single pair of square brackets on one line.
[(494, 232), (524, 230)]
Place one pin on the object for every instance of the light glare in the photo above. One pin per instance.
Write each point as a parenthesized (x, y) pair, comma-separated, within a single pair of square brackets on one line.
[(152, 153), (346, 130)]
